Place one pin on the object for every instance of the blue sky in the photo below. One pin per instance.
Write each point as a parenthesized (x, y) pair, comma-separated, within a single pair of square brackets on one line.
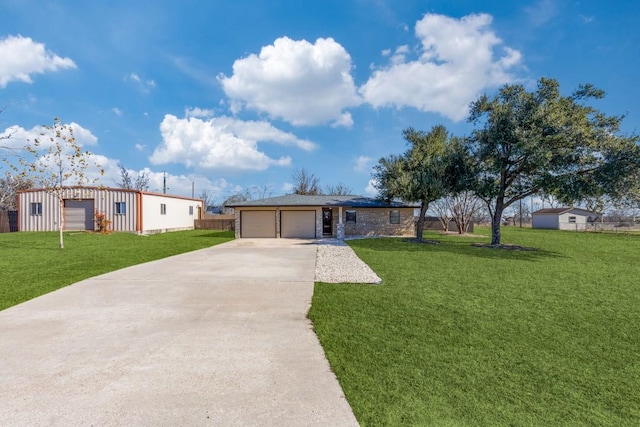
[(229, 95)]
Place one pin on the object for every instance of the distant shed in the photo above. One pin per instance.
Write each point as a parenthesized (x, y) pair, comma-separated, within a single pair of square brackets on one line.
[(563, 218)]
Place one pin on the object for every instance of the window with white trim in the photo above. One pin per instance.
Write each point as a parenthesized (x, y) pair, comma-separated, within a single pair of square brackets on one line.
[(572, 220), (163, 209), (350, 216), (191, 210)]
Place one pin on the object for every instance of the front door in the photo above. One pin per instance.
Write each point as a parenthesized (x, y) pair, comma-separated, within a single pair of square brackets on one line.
[(327, 222)]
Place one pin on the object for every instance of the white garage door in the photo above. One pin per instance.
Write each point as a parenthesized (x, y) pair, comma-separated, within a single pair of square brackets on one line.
[(258, 223), (298, 224), (78, 215)]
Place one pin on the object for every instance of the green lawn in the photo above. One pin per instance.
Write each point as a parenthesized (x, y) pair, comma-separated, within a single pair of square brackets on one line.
[(464, 336), (31, 263)]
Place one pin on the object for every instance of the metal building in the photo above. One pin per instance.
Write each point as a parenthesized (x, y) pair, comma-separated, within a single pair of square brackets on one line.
[(127, 210)]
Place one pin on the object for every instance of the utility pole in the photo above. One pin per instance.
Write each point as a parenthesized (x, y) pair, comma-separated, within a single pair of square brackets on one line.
[(164, 183)]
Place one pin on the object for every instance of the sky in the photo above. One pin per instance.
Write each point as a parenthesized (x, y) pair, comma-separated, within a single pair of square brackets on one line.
[(225, 96)]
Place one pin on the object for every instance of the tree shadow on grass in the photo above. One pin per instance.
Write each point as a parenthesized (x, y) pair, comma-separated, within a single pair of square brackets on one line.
[(470, 247)]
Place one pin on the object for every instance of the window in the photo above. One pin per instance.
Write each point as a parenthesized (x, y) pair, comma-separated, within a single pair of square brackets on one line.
[(36, 208), (350, 216), (163, 209), (190, 210), (120, 208), (394, 217), (572, 220)]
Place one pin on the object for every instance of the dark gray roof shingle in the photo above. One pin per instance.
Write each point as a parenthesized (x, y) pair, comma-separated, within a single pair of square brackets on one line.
[(304, 200)]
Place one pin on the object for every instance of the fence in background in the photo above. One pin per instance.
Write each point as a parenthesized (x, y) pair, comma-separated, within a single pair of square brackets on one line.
[(216, 222), (615, 227), (8, 221)]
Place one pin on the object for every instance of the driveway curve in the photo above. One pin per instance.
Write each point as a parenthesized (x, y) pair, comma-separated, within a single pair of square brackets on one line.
[(217, 336)]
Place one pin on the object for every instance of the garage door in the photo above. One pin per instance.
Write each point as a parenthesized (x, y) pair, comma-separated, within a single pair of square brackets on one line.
[(258, 223), (78, 215), (298, 224)]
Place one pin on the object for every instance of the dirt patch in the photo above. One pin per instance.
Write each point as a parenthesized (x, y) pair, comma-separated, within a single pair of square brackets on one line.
[(504, 247)]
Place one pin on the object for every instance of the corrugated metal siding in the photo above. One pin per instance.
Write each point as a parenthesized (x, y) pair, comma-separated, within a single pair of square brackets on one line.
[(104, 201), (50, 217)]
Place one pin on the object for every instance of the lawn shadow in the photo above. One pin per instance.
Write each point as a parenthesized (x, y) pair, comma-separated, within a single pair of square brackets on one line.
[(467, 247), (218, 234)]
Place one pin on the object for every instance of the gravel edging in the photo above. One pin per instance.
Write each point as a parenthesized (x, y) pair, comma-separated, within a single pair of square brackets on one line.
[(336, 262)]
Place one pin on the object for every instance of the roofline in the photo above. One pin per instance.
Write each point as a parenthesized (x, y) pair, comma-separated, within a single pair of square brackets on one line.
[(125, 190), (559, 211)]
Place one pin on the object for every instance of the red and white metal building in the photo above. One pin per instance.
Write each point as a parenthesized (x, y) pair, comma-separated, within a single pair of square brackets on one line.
[(128, 210)]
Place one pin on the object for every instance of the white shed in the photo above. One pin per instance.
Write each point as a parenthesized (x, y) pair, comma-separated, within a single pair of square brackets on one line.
[(563, 218), (128, 210)]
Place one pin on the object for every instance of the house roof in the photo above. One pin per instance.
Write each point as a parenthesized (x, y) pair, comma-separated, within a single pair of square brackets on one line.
[(560, 211), (305, 200)]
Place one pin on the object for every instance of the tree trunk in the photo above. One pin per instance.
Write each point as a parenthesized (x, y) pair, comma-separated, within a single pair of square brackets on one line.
[(495, 223), (420, 222)]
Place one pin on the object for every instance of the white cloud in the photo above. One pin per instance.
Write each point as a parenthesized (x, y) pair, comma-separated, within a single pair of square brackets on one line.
[(287, 187), (362, 163), (143, 86), (180, 185), (221, 143), (22, 57), (400, 55), (299, 82), (371, 189), (456, 63), (140, 147), (20, 136), (542, 11), (117, 111), (198, 112)]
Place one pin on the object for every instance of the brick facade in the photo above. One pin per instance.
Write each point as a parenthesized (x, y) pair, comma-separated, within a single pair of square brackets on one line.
[(376, 222)]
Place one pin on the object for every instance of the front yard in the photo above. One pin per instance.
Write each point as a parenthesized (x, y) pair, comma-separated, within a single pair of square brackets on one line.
[(459, 336), (31, 263)]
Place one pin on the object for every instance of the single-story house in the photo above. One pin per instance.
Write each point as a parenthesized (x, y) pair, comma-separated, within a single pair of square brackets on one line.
[(310, 217), (563, 218), (128, 210)]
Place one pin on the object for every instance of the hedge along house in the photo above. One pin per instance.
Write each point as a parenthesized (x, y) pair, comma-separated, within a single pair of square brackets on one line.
[(128, 210), (310, 217), (563, 218)]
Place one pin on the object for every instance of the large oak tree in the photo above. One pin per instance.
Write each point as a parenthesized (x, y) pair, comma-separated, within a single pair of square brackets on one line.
[(541, 141), (424, 173)]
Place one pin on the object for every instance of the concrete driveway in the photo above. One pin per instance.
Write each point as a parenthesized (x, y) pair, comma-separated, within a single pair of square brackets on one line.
[(217, 336)]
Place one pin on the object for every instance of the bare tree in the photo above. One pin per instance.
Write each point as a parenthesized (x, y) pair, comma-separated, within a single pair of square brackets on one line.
[(9, 187), (340, 189), (140, 182), (441, 208), (260, 191), (240, 196), (58, 161), (464, 208), (208, 198), (305, 182)]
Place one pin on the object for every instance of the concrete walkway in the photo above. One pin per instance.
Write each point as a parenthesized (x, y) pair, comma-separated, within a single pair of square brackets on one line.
[(217, 337)]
